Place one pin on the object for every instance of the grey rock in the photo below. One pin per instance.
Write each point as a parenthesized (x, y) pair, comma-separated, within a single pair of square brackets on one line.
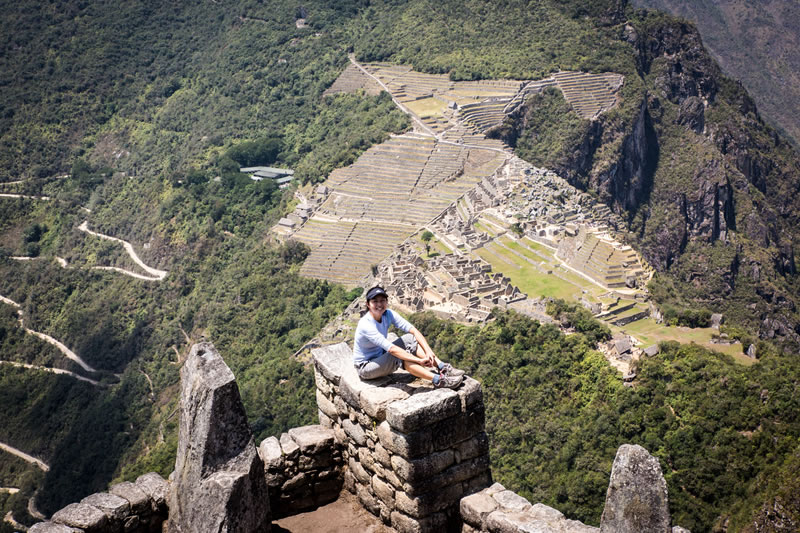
[(80, 515), (408, 445), (679, 529), (383, 490), (751, 351), (313, 439), (219, 483), (289, 447), (716, 320), (156, 488), (326, 406), (355, 432), (137, 498), (330, 361), (51, 527), (418, 470), (374, 400), (429, 502), (115, 508), (511, 501), (650, 351), (423, 409), (476, 507), (403, 523), (470, 393), (636, 501), (271, 453)]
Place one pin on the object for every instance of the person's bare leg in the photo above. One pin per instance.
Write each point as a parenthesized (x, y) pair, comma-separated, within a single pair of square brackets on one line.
[(418, 370)]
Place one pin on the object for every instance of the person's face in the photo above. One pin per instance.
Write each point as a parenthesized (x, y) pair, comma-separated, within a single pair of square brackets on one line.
[(377, 306)]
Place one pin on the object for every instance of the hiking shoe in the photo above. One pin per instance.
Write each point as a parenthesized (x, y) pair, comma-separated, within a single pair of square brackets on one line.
[(450, 382), (450, 370)]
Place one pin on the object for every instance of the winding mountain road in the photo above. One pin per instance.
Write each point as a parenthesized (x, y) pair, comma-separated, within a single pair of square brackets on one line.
[(52, 370), (156, 273), (9, 195), (47, 338), (25, 457)]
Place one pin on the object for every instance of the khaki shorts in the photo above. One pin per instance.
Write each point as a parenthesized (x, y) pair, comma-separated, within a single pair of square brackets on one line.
[(386, 363)]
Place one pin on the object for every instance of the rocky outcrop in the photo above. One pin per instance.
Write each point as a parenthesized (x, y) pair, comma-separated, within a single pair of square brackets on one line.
[(218, 483), (636, 500)]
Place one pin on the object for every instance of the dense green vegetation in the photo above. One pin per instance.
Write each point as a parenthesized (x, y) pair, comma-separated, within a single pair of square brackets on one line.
[(553, 404), (150, 108)]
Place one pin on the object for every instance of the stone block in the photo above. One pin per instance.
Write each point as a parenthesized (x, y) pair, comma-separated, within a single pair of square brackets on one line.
[(341, 407), (327, 406), (323, 385), (418, 470), (291, 485), (479, 482), (459, 428), (312, 439), (374, 400), (137, 498), (51, 527), (351, 386), (475, 508), (330, 361), (270, 452), (324, 420), (358, 471), (115, 508), (403, 523), (355, 432), (382, 456), (366, 459), (470, 393), (423, 409), (349, 481), (471, 448), (466, 528), (289, 447), (511, 501), (323, 459), (408, 445), (339, 435), (80, 515), (156, 487), (455, 474), (425, 504), (383, 490), (368, 499)]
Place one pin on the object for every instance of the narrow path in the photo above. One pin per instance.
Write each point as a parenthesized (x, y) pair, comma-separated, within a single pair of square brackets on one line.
[(52, 370), (9, 195), (403, 108), (58, 344), (32, 510), (24, 456), (128, 273), (9, 518), (47, 338), (9, 490), (160, 274)]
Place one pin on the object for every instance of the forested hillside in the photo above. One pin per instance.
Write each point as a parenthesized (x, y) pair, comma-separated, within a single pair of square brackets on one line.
[(135, 117)]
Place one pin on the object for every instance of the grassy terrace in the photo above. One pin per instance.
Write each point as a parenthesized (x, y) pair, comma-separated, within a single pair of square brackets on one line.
[(426, 107), (649, 333)]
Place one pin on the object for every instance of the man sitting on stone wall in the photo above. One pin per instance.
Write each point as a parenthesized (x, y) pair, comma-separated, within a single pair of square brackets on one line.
[(375, 356)]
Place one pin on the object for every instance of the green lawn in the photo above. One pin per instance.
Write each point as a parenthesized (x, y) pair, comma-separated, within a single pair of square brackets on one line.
[(485, 229), (649, 333)]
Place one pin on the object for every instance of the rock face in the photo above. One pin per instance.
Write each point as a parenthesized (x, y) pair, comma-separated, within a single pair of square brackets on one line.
[(636, 501), (219, 482)]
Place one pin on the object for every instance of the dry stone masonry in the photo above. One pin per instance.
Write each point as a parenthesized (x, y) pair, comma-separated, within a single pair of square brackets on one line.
[(412, 452)]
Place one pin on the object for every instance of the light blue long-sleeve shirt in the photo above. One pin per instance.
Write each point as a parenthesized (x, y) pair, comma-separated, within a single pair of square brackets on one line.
[(371, 341)]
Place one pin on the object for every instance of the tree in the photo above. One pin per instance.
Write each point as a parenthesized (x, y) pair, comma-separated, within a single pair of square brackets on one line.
[(426, 238)]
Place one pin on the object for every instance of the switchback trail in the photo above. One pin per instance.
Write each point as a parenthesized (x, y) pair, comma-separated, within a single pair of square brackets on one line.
[(53, 370), (47, 338), (9, 195), (25, 457), (158, 274)]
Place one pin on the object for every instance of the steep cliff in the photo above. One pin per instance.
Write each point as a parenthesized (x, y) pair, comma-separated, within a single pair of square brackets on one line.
[(708, 189)]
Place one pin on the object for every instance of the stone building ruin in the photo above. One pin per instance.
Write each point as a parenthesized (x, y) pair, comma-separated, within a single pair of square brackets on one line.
[(416, 457)]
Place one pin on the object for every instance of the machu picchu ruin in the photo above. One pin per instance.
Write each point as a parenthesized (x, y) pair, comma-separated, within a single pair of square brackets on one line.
[(493, 216)]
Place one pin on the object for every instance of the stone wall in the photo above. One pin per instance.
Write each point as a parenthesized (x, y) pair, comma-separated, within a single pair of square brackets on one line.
[(303, 469), (412, 452), (139, 507)]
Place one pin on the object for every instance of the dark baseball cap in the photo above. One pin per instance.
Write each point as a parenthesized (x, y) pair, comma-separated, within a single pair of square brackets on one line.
[(375, 292)]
